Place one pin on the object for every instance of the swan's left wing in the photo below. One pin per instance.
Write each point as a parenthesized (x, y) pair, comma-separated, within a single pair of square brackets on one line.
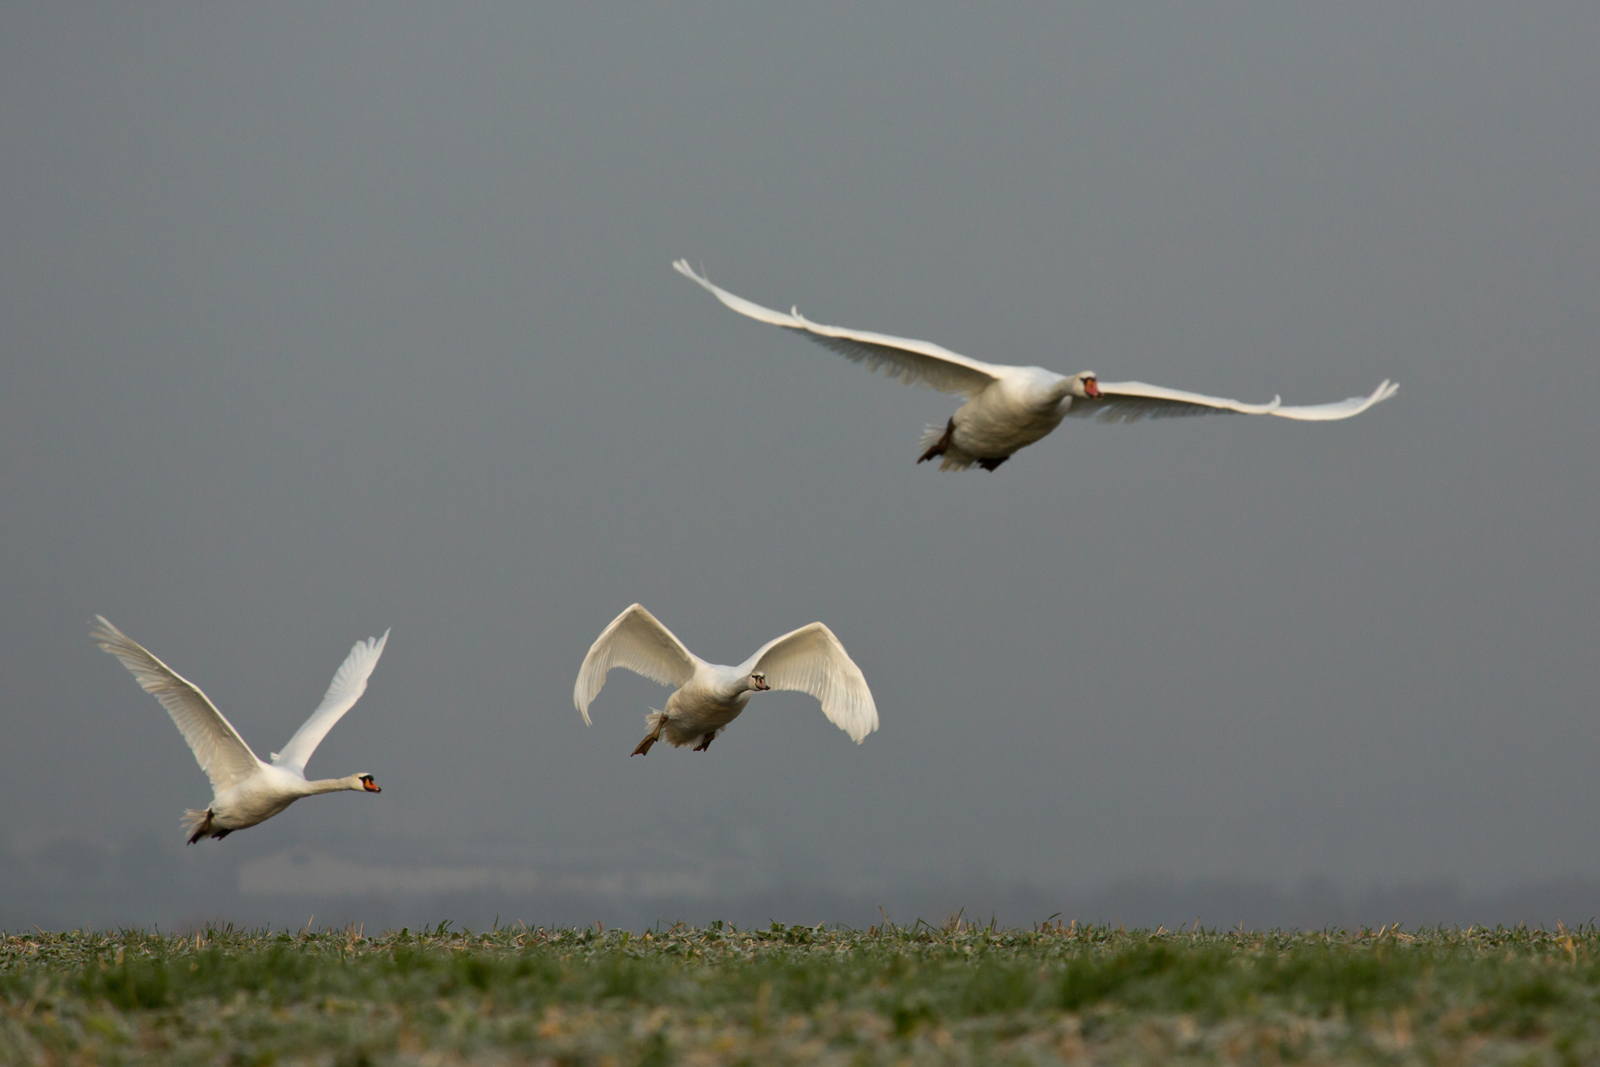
[(216, 745), (811, 660), (1131, 401), (349, 682), (912, 362)]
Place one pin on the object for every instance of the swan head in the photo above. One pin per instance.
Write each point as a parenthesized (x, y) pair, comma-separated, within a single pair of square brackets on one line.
[(366, 782), (758, 681), (1084, 386)]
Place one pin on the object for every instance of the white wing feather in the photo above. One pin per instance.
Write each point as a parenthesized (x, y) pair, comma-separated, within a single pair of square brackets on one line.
[(1340, 409), (349, 682), (912, 362), (811, 660), (638, 642), (217, 746), (1131, 401)]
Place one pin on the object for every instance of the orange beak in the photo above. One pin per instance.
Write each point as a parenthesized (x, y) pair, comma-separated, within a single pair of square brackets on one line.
[(370, 786), (1091, 387)]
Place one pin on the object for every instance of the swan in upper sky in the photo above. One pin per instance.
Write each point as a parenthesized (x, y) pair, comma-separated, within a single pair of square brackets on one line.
[(709, 696), (1009, 408), (245, 790)]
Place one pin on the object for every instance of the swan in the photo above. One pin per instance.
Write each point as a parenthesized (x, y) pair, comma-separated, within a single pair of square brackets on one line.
[(710, 696), (1009, 408), (245, 790)]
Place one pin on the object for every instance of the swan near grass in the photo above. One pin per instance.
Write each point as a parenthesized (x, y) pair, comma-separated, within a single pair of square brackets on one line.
[(1009, 408), (245, 790), (708, 696)]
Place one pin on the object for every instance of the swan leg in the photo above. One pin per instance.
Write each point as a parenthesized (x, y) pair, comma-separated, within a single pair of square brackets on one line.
[(991, 464), (705, 742), (649, 739), (940, 446)]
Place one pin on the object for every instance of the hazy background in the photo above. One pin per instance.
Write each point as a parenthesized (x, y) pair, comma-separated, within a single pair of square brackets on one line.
[(317, 321)]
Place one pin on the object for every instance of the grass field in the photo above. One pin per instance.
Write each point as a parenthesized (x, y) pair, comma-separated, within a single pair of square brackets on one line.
[(952, 994)]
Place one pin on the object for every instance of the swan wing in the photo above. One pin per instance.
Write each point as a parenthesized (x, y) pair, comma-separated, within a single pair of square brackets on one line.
[(217, 746), (811, 660), (912, 362), (1131, 401), (349, 682), (637, 641)]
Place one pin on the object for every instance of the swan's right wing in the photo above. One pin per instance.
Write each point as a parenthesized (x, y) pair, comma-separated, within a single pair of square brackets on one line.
[(349, 682), (217, 746), (811, 660), (637, 641), (912, 362)]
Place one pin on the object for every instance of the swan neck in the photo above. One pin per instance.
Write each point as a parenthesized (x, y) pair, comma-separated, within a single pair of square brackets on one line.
[(333, 785)]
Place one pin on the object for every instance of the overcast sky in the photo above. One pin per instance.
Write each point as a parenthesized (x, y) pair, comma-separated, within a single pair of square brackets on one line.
[(321, 320)]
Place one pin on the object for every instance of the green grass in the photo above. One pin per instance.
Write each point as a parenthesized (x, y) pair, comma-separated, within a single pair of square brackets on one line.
[(952, 994)]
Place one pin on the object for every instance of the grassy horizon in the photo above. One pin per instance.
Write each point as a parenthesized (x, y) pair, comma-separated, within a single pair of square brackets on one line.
[(954, 993)]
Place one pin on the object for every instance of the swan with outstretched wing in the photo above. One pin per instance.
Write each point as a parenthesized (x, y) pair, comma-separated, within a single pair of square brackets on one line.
[(245, 790), (1009, 408), (708, 696)]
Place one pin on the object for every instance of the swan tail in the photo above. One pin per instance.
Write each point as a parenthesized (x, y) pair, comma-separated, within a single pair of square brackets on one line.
[(936, 444), (655, 718), (196, 824)]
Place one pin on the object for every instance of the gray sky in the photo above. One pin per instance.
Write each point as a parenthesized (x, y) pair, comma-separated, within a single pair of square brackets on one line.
[(320, 321)]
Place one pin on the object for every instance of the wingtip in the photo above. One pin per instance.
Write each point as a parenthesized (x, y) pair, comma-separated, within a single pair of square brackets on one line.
[(1384, 391), (580, 699), (105, 635)]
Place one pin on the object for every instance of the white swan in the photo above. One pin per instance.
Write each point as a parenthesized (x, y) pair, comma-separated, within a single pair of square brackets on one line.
[(709, 696), (245, 790), (1009, 408)]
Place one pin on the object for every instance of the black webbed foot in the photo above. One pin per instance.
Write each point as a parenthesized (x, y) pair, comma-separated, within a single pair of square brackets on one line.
[(991, 464)]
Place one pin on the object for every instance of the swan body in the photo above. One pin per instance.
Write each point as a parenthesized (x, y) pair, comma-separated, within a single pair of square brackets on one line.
[(245, 790), (1009, 408), (708, 696)]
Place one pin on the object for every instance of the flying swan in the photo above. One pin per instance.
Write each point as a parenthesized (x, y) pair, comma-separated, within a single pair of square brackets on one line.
[(245, 790), (1009, 408), (709, 696)]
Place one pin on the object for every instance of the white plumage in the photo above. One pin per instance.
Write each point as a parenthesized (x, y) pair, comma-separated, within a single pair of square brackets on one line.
[(708, 696), (1009, 408), (245, 791)]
